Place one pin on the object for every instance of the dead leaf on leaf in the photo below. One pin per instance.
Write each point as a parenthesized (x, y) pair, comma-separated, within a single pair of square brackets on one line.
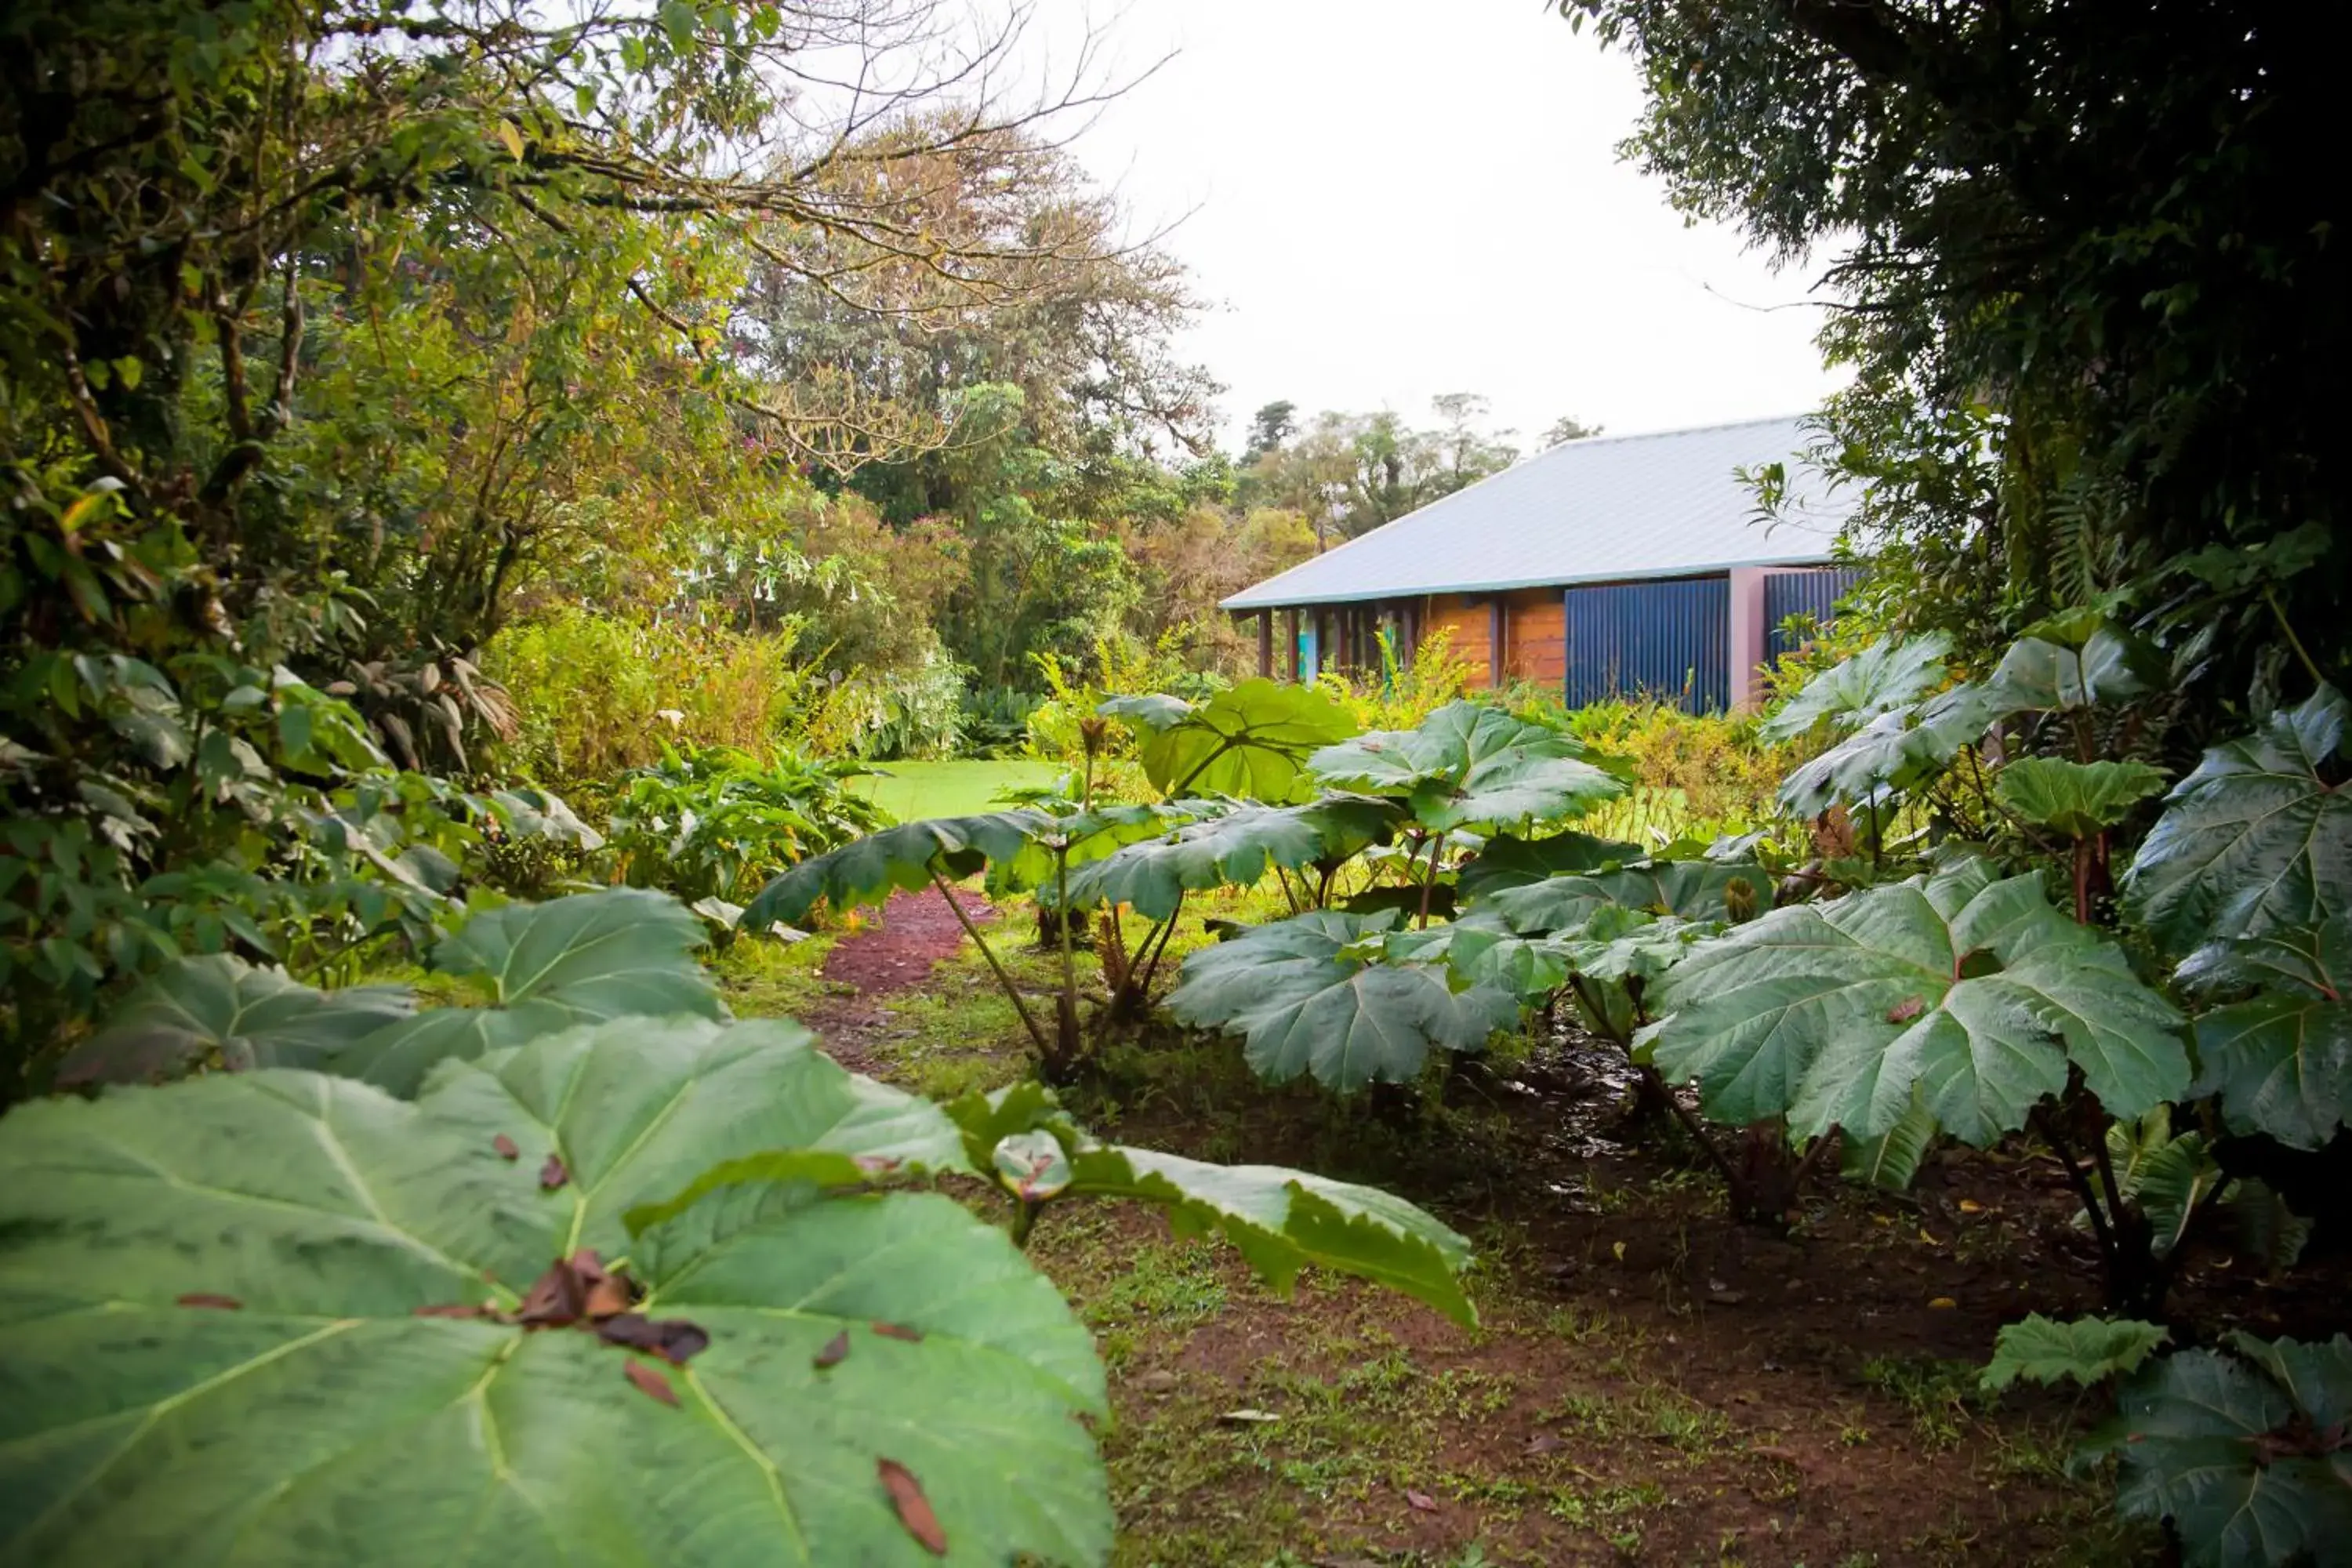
[(1420, 1501), (878, 1164), (206, 1299), (555, 1298), (914, 1508), (674, 1339), (552, 1174), (899, 1331), (608, 1297), (649, 1378), (836, 1352), (452, 1309), (506, 1147)]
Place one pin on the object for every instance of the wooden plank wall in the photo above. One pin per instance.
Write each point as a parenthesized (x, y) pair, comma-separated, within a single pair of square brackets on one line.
[(1467, 619), (1535, 637)]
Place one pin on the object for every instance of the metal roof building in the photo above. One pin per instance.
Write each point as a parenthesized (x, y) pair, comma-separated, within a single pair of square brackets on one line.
[(1616, 566)]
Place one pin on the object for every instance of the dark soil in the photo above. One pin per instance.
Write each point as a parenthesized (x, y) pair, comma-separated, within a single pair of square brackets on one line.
[(915, 931)]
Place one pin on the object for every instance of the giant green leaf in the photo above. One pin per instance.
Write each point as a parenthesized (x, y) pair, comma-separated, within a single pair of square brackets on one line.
[(1480, 951), (1615, 957), (2085, 1350), (2168, 1177), (1974, 991), (614, 954), (1235, 849), (1891, 1161), (2281, 1060), (1248, 739), (640, 1108), (1892, 673), (2222, 1446), (1282, 1220), (1507, 861), (2057, 673), (220, 1008), (1307, 999), (2081, 800), (213, 1353), (1692, 890), (1471, 765), (869, 870), (1152, 711), (1619, 945), (2257, 838), (1897, 751)]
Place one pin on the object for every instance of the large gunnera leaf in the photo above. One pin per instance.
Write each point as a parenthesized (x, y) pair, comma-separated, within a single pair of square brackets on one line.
[(1231, 850), (2080, 800), (2072, 667), (2085, 1351), (1889, 674), (1897, 751), (867, 871), (1469, 765), (1308, 998), (223, 1010), (1691, 890), (2282, 1060), (1248, 739), (2258, 839), (2243, 1453), (282, 1317), (1508, 861), (626, 953), (1972, 991), (1236, 848), (1281, 1220)]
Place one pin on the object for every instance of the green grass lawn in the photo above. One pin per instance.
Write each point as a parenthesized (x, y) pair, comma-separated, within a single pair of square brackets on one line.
[(913, 790)]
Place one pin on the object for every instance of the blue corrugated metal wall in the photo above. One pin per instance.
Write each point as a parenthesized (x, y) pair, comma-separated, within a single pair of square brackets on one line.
[(1811, 593), (1667, 639)]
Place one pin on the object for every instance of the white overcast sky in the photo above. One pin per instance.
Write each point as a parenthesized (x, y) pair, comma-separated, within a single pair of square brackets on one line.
[(1384, 200)]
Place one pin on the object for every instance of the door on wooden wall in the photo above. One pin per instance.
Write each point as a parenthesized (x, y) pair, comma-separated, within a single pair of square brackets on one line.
[(1669, 641), (1308, 665)]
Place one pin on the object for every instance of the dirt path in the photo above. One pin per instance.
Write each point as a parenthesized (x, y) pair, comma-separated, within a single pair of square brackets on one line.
[(915, 930)]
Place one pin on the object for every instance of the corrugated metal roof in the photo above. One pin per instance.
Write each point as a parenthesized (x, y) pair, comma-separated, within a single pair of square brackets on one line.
[(1601, 509)]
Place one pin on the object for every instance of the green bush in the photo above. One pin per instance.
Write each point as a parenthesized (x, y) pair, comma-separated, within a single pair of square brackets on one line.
[(594, 694), (716, 823)]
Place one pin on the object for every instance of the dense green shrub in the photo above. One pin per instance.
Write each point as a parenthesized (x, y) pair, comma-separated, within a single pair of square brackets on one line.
[(594, 694), (716, 823)]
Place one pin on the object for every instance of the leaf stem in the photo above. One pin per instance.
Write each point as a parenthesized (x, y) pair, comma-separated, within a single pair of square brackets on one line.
[(988, 954), (2270, 597), (2048, 1127), (1697, 1131), (1066, 1017), (1429, 882), (1167, 930)]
